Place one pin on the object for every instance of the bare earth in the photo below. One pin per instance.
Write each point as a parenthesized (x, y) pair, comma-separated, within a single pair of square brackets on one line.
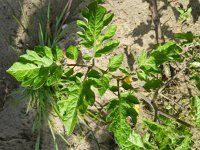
[(135, 32)]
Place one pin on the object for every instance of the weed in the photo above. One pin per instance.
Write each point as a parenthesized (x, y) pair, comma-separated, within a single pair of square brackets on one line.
[(55, 86)]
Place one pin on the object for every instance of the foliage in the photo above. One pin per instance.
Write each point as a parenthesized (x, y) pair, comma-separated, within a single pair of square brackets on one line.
[(184, 14), (121, 109), (49, 35), (96, 18), (149, 64), (55, 86), (34, 69), (149, 71), (196, 106), (168, 137)]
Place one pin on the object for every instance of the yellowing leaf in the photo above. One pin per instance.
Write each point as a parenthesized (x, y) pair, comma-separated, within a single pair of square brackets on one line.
[(137, 108), (127, 79)]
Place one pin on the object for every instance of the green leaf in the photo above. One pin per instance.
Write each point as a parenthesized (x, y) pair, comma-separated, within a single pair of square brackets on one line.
[(185, 144), (72, 52), (54, 76), (89, 94), (109, 47), (20, 70), (33, 57), (107, 19), (196, 101), (142, 75), (147, 63), (82, 24), (154, 127), (68, 72), (127, 86), (196, 78), (129, 97), (167, 136), (148, 145), (57, 53), (119, 125), (134, 141), (48, 52), (100, 1), (41, 78), (95, 32), (34, 70), (121, 109), (152, 84), (88, 97), (94, 74), (44, 51), (113, 88), (69, 107), (75, 76), (87, 57), (115, 62), (125, 71), (112, 104), (93, 24), (96, 16), (102, 83), (165, 52), (109, 33)]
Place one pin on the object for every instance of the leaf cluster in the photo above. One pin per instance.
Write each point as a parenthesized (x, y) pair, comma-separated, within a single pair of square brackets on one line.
[(70, 89)]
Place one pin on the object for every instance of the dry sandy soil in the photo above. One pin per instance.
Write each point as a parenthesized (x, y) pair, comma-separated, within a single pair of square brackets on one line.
[(135, 32)]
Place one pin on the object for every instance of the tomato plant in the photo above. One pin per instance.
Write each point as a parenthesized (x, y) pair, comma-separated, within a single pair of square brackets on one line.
[(54, 85)]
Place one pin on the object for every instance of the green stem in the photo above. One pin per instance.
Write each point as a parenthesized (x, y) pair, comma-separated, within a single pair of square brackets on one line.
[(94, 116)]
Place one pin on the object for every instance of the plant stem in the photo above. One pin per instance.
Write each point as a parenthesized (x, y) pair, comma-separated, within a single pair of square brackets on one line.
[(119, 96), (156, 20), (148, 101)]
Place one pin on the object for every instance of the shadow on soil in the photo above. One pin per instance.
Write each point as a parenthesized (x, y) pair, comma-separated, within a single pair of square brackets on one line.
[(15, 124), (145, 28), (195, 5)]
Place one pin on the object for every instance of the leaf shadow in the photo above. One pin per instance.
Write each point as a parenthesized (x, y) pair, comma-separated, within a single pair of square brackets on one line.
[(195, 5), (130, 58), (145, 27)]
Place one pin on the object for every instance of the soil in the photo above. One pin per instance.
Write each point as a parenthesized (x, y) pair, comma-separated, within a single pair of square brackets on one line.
[(135, 33)]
